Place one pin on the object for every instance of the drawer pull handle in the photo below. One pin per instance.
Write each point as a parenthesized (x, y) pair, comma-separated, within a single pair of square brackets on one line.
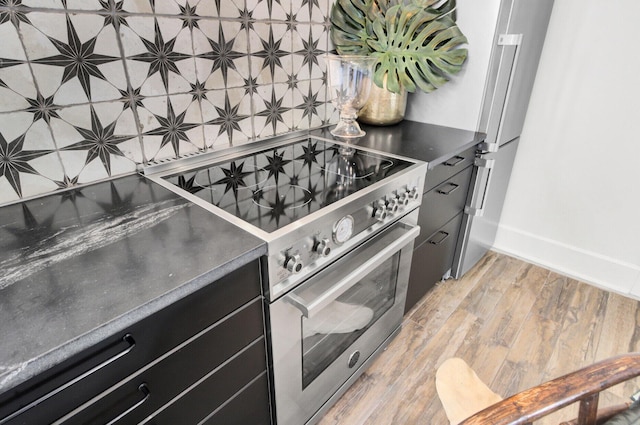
[(437, 241), (128, 339), (452, 187), (145, 392), (454, 161)]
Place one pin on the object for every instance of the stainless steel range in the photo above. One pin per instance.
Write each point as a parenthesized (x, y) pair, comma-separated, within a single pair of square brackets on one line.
[(339, 222)]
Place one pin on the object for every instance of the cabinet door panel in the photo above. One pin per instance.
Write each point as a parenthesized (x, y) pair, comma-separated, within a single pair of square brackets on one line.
[(248, 406), (450, 167), (251, 406), (139, 396), (431, 260), (76, 380), (442, 203)]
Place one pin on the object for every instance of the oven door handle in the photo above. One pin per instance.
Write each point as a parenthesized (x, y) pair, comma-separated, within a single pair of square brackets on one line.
[(310, 308)]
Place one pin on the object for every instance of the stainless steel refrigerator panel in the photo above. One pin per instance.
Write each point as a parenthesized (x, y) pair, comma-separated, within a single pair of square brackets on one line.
[(498, 77), (521, 30), (529, 18), (480, 223)]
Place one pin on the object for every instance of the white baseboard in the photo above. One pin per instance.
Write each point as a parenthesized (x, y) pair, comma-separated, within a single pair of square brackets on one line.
[(589, 267)]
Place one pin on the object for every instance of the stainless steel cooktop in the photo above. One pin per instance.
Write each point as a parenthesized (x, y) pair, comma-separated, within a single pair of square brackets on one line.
[(310, 199), (275, 187)]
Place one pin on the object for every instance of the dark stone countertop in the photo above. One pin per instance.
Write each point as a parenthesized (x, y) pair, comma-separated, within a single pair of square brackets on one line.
[(429, 143), (78, 266), (432, 144)]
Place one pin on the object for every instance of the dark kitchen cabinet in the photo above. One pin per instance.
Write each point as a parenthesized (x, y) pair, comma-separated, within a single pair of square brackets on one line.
[(186, 361), (440, 218), (237, 403)]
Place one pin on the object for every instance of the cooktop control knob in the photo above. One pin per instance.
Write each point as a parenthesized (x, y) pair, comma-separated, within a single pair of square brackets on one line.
[(414, 194), (392, 205), (403, 199), (293, 263), (322, 247), (380, 211)]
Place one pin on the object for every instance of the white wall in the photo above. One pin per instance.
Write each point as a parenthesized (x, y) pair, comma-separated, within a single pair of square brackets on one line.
[(458, 103), (573, 203)]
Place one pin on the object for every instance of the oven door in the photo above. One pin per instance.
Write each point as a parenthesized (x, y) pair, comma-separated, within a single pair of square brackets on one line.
[(326, 328)]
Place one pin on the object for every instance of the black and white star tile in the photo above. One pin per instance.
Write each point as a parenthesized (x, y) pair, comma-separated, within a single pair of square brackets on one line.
[(221, 52), (72, 5), (271, 47), (96, 141), (275, 10), (173, 7), (311, 10), (16, 82), (29, 164), (173, 126), (159, 55), (136, 6), (310, 43), (309, 109), (74, 58), (227, 118), (90, 88), (273, 110), (226, 8), (49, 4)]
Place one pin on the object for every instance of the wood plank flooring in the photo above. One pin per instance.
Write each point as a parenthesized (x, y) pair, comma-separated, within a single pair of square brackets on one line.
[(515, 323)]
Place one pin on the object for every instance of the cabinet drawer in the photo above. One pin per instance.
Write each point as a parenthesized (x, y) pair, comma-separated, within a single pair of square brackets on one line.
[(133, 400), (63, 388), (442, 203), (431, 260), (251, 406), (454, 165), (223, 398)]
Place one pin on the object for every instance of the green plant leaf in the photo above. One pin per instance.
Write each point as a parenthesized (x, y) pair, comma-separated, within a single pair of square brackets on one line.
[(422, 50), (349, 26), (417, 46)]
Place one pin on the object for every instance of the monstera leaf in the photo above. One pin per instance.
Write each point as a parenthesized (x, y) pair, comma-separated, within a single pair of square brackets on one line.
[(417, 45), (351, 23)]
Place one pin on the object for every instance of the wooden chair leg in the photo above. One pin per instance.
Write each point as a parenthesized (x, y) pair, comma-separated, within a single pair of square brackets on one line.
[(604, 414), (588, 411)]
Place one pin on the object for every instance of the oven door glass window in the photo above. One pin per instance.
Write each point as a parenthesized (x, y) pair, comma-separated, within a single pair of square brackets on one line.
[(327, 334)]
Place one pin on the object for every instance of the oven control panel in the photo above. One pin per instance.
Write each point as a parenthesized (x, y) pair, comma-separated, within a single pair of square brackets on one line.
[(327, 240), (343, 229)]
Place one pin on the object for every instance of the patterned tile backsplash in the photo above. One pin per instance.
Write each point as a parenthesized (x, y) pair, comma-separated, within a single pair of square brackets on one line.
[(90, 89)]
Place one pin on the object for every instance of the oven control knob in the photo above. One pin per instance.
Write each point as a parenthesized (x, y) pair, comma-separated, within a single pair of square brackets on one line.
[(380, 212), (322, 247), (293, 263), (392, 205), (414, 194), (403, 199)]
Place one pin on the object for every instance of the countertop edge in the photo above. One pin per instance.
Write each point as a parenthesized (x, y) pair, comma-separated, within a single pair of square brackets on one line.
[(57, 355), (433, 144), (434, 163)]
